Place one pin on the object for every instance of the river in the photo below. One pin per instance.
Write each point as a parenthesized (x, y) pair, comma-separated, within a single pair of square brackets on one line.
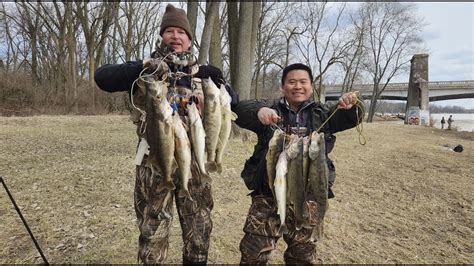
[(462, 122)]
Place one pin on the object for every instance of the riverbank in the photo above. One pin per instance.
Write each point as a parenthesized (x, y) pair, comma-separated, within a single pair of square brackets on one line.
[(404, 197)]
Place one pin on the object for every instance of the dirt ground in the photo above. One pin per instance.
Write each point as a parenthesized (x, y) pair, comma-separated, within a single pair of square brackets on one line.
[(402, 198)]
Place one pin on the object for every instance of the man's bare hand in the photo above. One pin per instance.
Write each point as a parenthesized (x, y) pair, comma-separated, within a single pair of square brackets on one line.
[(268, 116), (347, 100)]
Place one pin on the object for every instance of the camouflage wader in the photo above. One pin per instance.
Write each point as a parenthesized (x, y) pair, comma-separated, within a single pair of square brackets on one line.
[(154, 211), (261, 234)]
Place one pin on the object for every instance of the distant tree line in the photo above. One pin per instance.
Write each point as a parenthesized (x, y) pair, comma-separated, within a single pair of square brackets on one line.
[(438, 109), (52, 49), (396, 107)]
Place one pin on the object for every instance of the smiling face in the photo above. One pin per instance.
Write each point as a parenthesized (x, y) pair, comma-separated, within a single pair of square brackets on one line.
[(297, 88), (177, 38)]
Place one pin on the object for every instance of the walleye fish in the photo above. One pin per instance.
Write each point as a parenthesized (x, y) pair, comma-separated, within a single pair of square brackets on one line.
[(296, 180), (281, 185), (226, 125), (159, 131), (212, 121), (275, 147), (318, 179), (182, 154), (198, 140), (306, 160)]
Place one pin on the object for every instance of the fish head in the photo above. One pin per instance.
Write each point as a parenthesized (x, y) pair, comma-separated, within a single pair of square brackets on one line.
[(193, 112), (293, 146), (210, 89), (315, 145), (155, 89)]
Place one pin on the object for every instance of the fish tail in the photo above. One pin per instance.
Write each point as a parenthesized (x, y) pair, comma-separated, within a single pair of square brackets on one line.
[(283, 230), (211, 167), (166, 185), (206, 179), (307, 225), (183, 193), (298, 224), (317, 231)]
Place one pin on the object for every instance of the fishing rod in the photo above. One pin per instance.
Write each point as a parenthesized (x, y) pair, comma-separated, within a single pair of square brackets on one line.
[(24, 221)]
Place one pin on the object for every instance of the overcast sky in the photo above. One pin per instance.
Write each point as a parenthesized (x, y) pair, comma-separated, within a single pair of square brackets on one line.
[(450, 40)]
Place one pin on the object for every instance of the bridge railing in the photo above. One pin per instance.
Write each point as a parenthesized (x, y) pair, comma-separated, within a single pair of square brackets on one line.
[(461, 84)]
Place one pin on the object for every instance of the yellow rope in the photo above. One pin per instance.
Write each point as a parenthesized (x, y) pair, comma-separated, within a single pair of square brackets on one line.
[(359, 126)]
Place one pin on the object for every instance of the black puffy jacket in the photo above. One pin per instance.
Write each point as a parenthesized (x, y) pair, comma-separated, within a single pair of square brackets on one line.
[(120, 77), (311, 115)]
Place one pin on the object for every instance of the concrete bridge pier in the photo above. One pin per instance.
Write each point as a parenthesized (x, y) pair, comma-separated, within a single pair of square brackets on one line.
[(417, 106)]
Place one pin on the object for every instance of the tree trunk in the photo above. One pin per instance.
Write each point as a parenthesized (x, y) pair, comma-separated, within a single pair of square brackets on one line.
[(243, 65), (71, 45), (215, 51), (257, 9), (192, 11), (373, 103), (233, 19), (212, 13)]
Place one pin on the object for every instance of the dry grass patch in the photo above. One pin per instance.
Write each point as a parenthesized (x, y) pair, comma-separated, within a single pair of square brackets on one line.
[(402, 198)]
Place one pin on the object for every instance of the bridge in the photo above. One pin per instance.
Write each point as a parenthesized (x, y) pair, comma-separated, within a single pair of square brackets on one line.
[(438, 90)]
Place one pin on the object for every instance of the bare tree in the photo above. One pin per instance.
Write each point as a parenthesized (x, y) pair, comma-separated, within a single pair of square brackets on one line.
[(192, 13), (137, 28), (212, 13), (270, 44), (353, 57), (240, 43), (393, 33), (323, 41), (232, 20), (216, 49), (96, 20)]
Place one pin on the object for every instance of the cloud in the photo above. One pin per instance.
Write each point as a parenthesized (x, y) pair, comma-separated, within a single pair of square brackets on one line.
[(450, 40)]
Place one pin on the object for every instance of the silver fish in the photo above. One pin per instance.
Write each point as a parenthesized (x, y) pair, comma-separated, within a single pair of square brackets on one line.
[(182, 154), (197, 136), (212, 121), (159, 131), (306, 161), (275, 147), (280, 189), (318, 179), (226, 126), (296, 180)]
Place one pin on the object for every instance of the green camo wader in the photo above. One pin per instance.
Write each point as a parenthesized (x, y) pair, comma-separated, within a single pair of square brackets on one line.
[(154, 211), (261, 234)]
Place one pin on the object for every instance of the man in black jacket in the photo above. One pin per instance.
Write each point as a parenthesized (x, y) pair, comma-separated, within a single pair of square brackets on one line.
[(296, 111), (153, 207)]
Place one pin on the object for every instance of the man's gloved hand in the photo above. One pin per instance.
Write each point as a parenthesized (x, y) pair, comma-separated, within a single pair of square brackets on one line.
[(215, 74), (212, 72)]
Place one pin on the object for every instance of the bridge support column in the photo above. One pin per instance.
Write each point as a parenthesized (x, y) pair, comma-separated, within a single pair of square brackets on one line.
[(417, 107)]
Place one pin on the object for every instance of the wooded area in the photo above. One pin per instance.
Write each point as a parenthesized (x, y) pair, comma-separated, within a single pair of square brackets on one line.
[(51, 50)]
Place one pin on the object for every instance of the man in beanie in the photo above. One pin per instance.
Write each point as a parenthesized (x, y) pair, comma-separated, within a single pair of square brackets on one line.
[(154, 208), (298, 114)]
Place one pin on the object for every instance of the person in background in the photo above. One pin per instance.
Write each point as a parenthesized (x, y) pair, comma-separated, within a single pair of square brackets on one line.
[(154, 208), (443, 121), (295, 110), (450, 121)]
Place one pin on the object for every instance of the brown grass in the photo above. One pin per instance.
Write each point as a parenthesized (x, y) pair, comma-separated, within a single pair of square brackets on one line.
[(402, 198)]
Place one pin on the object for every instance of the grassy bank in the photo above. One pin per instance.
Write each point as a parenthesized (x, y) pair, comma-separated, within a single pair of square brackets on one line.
[(403, 197)]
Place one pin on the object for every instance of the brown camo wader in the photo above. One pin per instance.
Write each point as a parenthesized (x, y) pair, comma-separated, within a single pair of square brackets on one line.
[(154, 211), (261, 234)]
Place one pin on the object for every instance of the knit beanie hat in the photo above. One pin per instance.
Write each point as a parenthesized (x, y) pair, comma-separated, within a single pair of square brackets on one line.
[(175, 17)]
